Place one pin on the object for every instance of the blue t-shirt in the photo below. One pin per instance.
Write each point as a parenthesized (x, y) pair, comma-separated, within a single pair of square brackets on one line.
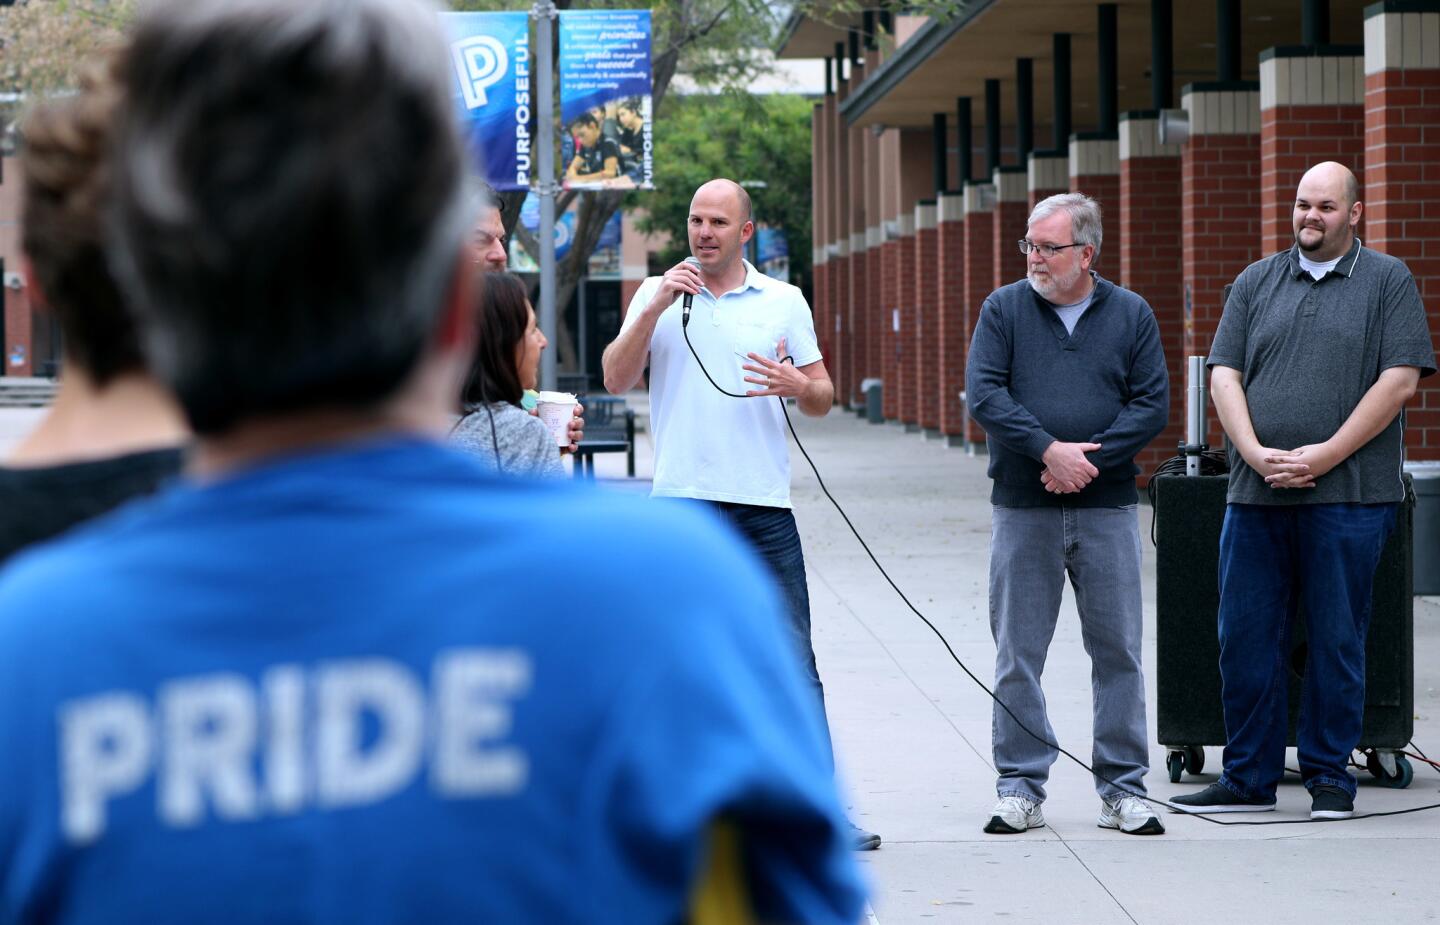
[(374, 684)]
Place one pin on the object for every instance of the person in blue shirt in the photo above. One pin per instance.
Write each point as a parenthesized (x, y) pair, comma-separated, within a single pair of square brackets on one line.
[(341, 673)]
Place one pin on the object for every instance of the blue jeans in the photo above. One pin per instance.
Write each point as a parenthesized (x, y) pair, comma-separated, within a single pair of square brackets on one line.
[(1274, 560), (1032, 549), (772, 533)]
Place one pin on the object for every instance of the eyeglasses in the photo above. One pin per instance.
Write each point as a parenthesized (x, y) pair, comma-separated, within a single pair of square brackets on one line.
[(1046, 250)]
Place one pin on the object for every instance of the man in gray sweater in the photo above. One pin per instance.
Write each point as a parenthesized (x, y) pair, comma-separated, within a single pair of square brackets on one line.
[(1067, 377)]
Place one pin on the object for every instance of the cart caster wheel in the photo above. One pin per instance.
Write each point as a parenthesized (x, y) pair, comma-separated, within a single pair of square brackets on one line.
[(1404, 771), (1194, 759), (1175, 763)]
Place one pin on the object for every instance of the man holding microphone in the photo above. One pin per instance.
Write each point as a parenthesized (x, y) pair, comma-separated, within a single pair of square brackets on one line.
[(721, 450)]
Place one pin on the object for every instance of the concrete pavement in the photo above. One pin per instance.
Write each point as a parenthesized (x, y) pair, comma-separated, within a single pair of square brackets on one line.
[(912, 733)]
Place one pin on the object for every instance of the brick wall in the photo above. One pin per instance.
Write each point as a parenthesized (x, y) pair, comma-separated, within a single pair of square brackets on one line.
[(903, 342), (876, 314), (1310, 111), (854, 330), (1049, 175), (1104, 189), (1008, 226), (951, 340), (1292, 140), (1012, 207), (1095, 171), (979, 279), (824, 322), (926, 355), (1220, 211), (889, 301), (1150, 252), (1402, 178), (1150, 257), (844, 371)]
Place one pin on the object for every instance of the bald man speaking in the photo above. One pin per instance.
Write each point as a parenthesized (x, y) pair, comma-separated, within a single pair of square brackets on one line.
[(729, 453), (1318, 350)]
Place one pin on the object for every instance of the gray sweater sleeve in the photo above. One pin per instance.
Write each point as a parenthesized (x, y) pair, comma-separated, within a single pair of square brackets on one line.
[(1148, 406), (524, 442), (987, 389)]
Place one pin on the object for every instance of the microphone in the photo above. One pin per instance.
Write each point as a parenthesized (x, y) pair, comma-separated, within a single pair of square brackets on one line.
[(689, 296)]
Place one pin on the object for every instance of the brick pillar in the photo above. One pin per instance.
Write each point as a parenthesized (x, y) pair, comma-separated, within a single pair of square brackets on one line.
[(820, 292), (978, 275), (1150, 258), (856, 309), (1012, 207), (1311, 110), (19, 332), (1220, 204), (903, 340), (824, 321), (926, 327), (836, 168), (950, 342), (890, 302), (871, 191), (862, 163), (1402, 171), (854, 294), (1095, 171), (1048, 174), (838, 359), (877, 316)]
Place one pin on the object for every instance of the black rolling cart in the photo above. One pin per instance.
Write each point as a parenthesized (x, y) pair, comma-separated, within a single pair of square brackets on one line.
[(1189, 511)]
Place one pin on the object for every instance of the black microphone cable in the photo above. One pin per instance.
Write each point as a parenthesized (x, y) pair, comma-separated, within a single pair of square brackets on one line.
[(684, 330)]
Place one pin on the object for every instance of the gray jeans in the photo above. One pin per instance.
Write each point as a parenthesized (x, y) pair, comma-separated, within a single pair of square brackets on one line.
[(1031, 552)]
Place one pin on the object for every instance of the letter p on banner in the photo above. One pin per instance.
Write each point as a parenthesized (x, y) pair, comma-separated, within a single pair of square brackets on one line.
[(480, 62), (491, 88)]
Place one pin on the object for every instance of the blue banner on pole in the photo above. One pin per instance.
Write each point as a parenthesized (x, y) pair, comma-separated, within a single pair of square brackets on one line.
[(770, 244), (490, 61), (605, 102), (610, 235)]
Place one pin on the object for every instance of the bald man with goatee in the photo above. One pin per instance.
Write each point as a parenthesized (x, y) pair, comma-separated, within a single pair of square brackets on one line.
[(1318, 350), (756, 338)]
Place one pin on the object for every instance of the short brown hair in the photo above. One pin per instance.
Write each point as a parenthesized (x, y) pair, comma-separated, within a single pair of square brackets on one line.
[(501, 317), (66, 182)]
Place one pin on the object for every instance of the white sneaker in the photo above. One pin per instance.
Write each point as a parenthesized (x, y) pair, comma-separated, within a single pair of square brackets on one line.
[(1131, 815), (1013, 815)]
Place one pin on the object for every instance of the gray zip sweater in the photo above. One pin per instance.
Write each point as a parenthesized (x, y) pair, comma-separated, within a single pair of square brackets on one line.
[(1029, 383)]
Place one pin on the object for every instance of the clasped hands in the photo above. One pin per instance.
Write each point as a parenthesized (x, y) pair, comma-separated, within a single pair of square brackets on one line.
[(1066, 468), (1297, 468)]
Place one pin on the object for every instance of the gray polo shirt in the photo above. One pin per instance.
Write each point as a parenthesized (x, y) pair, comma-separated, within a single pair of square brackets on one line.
[(1307, 351)]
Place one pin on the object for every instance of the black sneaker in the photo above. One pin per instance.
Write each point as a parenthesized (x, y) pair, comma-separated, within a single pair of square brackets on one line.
[(861, 840), (1331, 803), (1217, 798)]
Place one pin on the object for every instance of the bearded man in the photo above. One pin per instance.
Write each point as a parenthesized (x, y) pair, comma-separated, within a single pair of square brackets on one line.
[(1067, 377)]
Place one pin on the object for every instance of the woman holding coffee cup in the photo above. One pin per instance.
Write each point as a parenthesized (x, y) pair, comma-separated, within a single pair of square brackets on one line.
[(496, 427)]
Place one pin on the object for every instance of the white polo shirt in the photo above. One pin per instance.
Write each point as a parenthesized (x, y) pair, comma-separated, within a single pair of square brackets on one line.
[(709, 445)]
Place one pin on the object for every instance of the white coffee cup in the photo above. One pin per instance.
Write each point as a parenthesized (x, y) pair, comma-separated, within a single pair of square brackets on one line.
[(556, 409)]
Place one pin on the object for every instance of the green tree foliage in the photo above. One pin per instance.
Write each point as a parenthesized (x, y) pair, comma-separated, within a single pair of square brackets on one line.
[(742, 137), (45, 43)]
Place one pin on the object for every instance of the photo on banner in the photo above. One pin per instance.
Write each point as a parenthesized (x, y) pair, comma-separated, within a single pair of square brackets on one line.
[(491, 68), (605, 108)]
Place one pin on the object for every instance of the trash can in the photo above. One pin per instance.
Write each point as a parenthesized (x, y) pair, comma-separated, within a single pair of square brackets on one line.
[(1189, 512), (1425, 477), (874, 409)]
